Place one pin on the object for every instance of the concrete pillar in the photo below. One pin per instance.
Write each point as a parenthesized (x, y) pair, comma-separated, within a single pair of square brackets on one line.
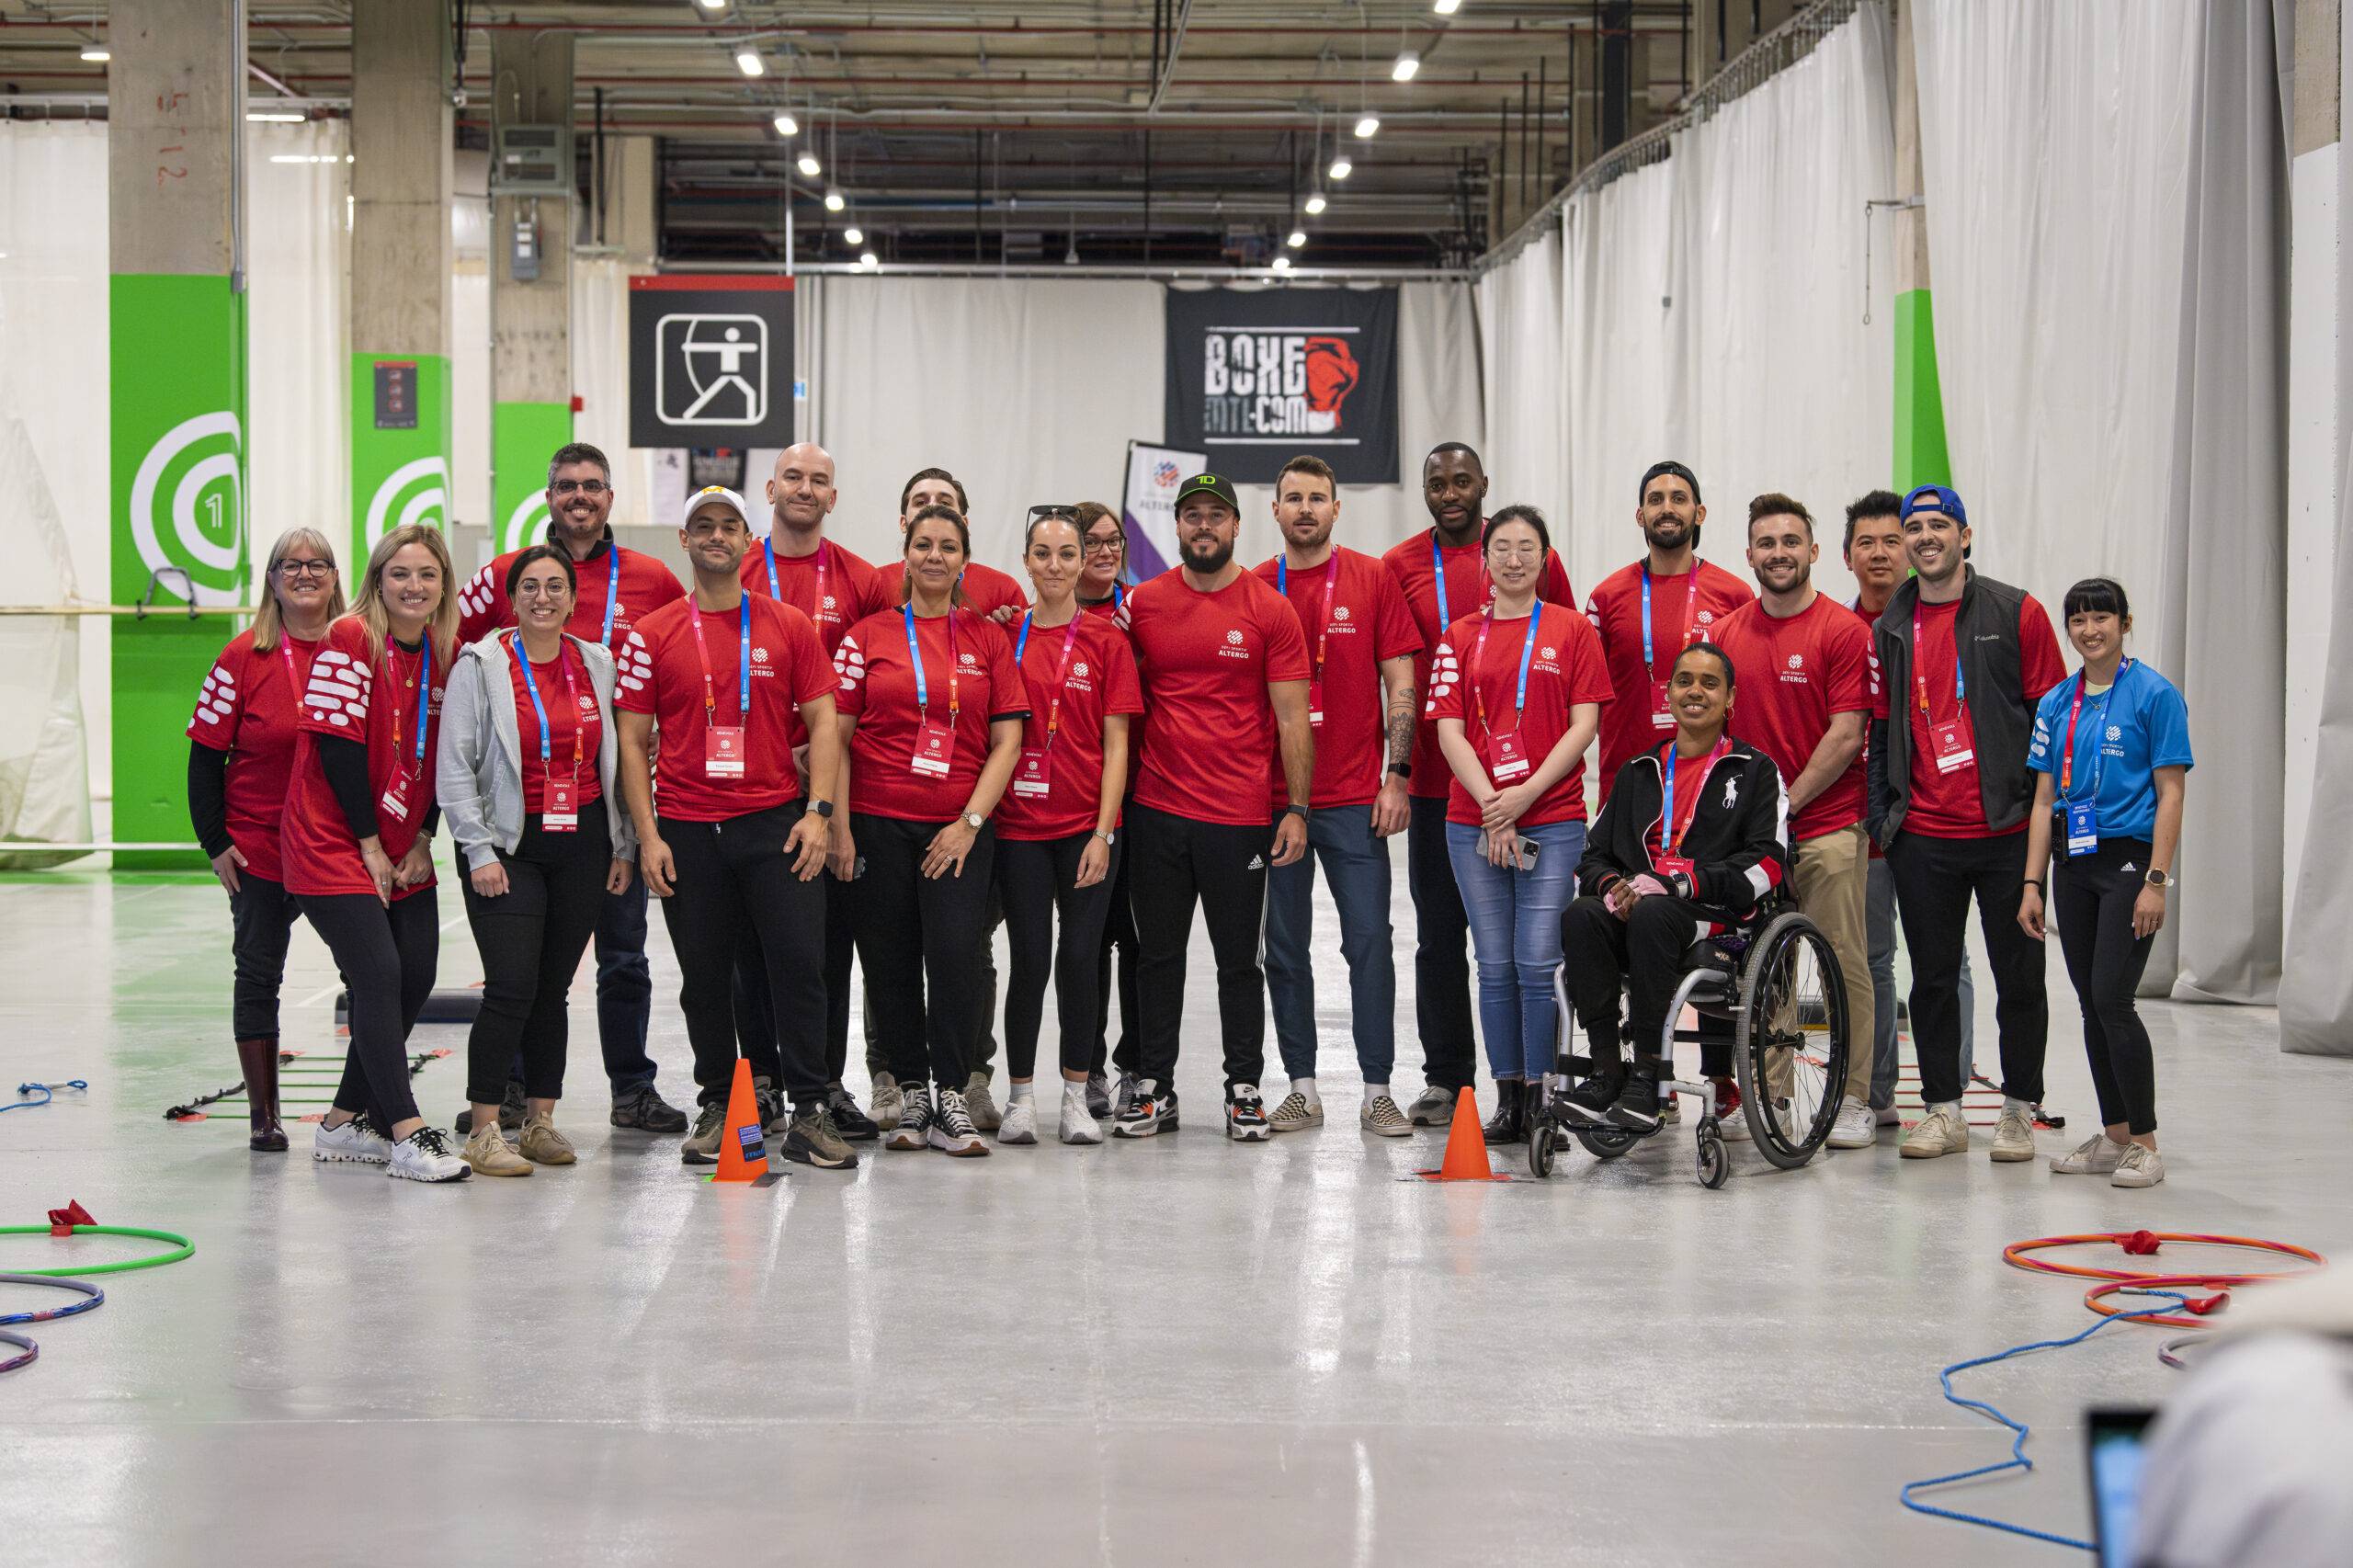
[(1920, 455), (401, 178), (175, 104), (531, 316)]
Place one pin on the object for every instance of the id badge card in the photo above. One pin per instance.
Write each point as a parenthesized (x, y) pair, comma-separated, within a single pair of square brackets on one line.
[(1031, 779), (723, 753), (1660, 718), (1314, 703), (2083, 827), (1507, 758), (935, 744), (1666, 866), (1953, 749), (395, 801), (563, 814)]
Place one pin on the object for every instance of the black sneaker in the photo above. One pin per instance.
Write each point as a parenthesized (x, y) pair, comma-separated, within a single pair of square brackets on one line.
[(850, 1123), (1153, 1111), (810, 1140), (1636, 1107), (511, 1110), (775, 1115), (1245, 1115), (912, 1130), (646, 1110), (1590, 1101)]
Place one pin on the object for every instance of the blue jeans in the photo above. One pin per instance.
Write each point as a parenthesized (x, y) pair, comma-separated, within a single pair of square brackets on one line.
[(624, 988), (1356, 863), (1516, 936)]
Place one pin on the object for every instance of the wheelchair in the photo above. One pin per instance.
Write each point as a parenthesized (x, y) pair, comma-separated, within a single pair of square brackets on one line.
[(1771, 993)]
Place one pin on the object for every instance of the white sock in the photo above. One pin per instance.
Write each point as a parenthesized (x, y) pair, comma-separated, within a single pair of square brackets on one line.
[(2011, 1102), (1074, 1093), (1952, 1106), (1374, 1091), (1305, 1088), (1024, 1091)]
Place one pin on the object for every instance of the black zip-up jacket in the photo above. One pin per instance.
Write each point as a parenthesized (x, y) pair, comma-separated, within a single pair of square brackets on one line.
[(1738, 842), (2001, 720)]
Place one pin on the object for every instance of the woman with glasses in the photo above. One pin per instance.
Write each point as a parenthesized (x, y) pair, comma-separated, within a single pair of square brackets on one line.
[(240, 760), (1102, 588), (526, 777), (1101, 582)]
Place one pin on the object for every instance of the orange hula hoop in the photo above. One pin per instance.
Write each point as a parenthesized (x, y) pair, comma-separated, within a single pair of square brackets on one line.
[(2015, 1255)]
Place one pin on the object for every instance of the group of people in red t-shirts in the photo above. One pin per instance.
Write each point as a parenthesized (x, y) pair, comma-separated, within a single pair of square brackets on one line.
[(810, 762)]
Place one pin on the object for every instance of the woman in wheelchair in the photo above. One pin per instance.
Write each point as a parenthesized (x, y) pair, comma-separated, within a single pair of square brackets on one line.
[(1693, 839)]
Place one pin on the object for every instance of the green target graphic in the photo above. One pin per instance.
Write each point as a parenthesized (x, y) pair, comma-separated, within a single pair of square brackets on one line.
[(187, 506), (177, 412)]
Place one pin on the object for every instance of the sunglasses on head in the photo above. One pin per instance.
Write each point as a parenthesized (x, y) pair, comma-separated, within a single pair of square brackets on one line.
[(1054, 509)]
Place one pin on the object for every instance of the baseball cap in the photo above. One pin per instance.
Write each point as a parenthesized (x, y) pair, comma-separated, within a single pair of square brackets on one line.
[(1208, 484), (1670, 466), (714, 492), (1936, 498)]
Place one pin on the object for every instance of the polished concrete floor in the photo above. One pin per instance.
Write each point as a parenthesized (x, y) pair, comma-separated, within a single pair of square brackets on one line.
[(1174, 1351)]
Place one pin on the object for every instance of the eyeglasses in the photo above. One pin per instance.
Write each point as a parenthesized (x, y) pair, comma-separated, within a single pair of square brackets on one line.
[(1526, 551), (292, 570), (1106, 544), (580, 486)]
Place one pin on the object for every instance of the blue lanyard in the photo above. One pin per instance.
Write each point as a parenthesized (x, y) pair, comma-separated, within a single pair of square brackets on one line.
[(1021, 644), (1526, 652), (424, 695), (1669, 841), (1437, 575), (915, 657), (743, 667), (768, 547), (539, 708), (1689, 598), (612, 592), (2099, 730)]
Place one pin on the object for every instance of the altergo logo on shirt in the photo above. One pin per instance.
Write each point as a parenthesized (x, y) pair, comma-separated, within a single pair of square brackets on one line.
[(1234, 648), (1795, 675), (760, 662)]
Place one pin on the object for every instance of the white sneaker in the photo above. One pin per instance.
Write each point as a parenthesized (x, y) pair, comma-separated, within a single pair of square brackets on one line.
[(1382, 1117), (1079, 1125), (1020, 1124), (2014, 1136), (357, 1141), (425, 1155), (2096, 1155), (1942, 1131), (2139, 1167), (1856, 1128), (1294, 1113), (951, 1130)]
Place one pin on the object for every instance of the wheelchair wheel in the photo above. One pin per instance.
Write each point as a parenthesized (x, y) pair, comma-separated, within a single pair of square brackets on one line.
[(1792, 1040), (1539, 1149), (1603, 1141), (1715, 1165)]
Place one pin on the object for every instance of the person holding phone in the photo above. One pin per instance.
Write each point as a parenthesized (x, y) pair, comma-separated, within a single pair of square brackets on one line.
[(1516, 690)]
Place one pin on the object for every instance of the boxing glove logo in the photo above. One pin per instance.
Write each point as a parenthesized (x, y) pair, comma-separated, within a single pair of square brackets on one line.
[(1331, 375)]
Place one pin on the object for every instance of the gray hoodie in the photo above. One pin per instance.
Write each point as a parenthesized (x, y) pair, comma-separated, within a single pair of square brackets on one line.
[(478, 775)]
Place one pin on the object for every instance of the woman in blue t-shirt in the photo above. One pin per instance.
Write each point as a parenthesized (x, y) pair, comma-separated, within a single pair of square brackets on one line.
[(2112, 747)]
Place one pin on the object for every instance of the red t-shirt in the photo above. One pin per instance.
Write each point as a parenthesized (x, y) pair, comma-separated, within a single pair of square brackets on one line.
[(1467, 592), (572, 711), (352, 698), (1101, 680), (645, 586), (1368, 623), (986, 589), (1207, 659), (1564, 668), (853, 589), (1795, 675), (877, 689), (660, 671), (248, 707), (1950, 805), (1108, 608), (1638, 720)]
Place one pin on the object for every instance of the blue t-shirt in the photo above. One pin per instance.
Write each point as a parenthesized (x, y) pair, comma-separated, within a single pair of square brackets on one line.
[(2125, 734)]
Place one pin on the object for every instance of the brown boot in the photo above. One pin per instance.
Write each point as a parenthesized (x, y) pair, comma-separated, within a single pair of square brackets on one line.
[(259, 1059)]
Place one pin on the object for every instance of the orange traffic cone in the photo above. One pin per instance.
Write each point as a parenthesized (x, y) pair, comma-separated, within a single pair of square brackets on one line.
[(1466, 1146), (743, 1153)]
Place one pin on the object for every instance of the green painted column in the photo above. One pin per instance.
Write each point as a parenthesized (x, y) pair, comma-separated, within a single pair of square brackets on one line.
[(523, 436), (1920, 454), (399, 447)]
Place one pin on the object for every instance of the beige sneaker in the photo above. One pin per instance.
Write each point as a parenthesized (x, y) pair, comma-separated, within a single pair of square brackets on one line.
[(2139, 1166), (486, 1151), (542, 1144), (1942, 1131), (2097, 1155), (2014, 1138), (885, 1103), (1381, 1115), (1295, 1113), (979, 1107)]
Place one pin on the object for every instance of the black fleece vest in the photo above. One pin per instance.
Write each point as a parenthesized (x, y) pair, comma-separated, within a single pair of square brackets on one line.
[(1985, 632)]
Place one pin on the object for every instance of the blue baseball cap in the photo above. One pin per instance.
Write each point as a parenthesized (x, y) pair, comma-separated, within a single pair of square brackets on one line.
[(1936, 498)]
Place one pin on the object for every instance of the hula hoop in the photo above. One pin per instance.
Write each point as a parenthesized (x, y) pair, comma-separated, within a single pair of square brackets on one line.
[(2015, 1255), (2161, 1281), (94, 1298), (2170, 1351), (185, 1249), (32, 1351)]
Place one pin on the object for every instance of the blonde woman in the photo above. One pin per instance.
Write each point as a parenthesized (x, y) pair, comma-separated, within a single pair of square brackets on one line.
[(358, 840), (240, 760)]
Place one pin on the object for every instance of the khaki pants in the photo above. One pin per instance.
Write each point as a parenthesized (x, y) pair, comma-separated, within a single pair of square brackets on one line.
[(1830, 874)]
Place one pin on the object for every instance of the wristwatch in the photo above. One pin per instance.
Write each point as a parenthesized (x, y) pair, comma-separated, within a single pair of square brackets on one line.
[(823, 808), (2160, 879), (1296, 810), (1402, 770), (974, 821), (1105, 836)]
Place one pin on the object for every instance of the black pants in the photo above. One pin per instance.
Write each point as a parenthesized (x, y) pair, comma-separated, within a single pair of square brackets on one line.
[(920, 939), (388, 958), (1645, 953), (1441, 952), (531, 938), (1935, 879), (1179, 861), (261, 918), (731, 877), (1118, 936), (1034, 881), (750, 1006), (2092, 907)]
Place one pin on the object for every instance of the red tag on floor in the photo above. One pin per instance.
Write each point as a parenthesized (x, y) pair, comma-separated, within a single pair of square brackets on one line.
[(2140, 1244), (63, 1220)]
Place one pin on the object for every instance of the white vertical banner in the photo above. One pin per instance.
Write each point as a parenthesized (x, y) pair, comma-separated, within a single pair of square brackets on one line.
[(1149, 505)]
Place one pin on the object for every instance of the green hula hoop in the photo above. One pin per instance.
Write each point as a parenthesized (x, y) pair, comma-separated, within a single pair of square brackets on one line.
[(185, 1248)]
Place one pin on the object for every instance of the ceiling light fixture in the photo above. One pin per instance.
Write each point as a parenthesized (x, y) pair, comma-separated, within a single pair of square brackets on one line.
[(1446, 7), (1298, 238), (787, 126), (1282, 264), (270, 117), (835, 201), (747, 60), (1341, 168), (1367, 127), (96, 53), (868, 260), (809, 166), (854, 236), (1316, 203), (1405, 67), (721, 4)]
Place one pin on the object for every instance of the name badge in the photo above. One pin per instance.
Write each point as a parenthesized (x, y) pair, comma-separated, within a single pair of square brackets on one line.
[(723, 753), (1031, 779), (1314, 702), (1951, 741), (394, 799), (2083, 827), (935, 746), (1660, 718), (1669, 865), (563, 814), (1507, 758)]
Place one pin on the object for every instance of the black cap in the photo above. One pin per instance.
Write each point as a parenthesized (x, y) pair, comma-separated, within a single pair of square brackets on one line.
[(1208, 484), (1680, 472)]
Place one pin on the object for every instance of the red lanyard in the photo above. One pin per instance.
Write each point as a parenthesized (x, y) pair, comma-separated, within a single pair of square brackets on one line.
[(1062, 672), (743, 667), (1920, 676), (2074, 711), (297, 681), (1324, 616), (1478, 657)]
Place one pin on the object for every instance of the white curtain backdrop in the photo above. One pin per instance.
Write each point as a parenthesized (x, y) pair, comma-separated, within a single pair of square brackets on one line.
[(297, 264), (600, 378), (1527, 449), (2105, 205)]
